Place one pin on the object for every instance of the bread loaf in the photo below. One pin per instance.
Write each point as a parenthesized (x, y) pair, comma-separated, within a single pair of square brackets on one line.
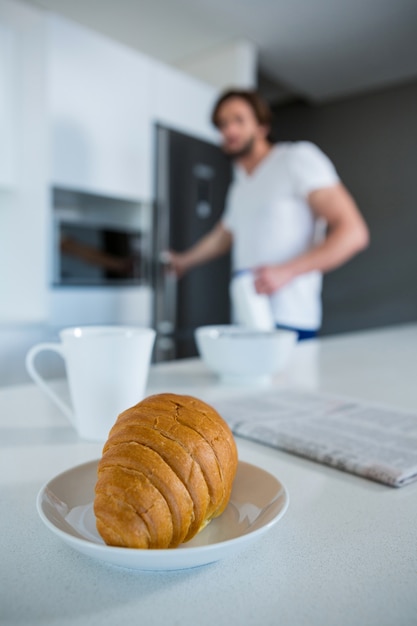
[(167, 469)]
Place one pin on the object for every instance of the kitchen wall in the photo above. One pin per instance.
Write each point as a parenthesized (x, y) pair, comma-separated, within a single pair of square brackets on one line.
[(234, 63), (372, 139)]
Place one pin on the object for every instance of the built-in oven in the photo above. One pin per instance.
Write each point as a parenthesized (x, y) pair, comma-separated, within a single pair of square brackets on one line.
[(96, 247)]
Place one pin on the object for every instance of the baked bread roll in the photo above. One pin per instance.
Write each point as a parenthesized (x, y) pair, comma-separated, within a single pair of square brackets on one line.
[(167, 469)]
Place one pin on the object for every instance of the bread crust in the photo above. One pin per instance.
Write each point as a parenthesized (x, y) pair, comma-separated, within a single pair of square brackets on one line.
[(169, 461)]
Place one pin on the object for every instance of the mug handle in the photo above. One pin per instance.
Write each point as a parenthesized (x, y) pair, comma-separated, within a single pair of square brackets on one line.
[(40, 381)]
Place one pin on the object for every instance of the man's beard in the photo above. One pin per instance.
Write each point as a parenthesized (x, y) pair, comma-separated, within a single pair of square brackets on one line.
[(241, 152)]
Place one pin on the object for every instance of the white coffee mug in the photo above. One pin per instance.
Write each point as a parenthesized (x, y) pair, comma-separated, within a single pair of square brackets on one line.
[(107, 369)]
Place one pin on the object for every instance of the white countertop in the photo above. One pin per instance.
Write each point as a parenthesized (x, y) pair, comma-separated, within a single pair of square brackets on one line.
[(344, 553)]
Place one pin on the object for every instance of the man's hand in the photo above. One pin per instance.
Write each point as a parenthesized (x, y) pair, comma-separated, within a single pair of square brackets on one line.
[(270, 278), (176, 263), (216, 243)]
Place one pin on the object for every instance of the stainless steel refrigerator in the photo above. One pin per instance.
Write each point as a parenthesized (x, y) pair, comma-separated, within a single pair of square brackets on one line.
[(192, 178)]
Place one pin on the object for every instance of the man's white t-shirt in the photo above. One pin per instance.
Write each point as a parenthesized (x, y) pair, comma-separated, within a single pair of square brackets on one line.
[(271, 222)]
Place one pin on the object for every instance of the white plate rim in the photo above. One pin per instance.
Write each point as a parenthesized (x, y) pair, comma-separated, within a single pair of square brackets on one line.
[(163, 559)]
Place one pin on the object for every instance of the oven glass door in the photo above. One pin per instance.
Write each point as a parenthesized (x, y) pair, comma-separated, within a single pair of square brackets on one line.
[(98, 255)]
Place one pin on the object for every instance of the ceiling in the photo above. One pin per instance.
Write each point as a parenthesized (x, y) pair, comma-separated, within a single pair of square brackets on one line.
[(316, 49)]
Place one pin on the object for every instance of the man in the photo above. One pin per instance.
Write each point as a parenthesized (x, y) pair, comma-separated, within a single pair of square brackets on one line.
[(280, 199)]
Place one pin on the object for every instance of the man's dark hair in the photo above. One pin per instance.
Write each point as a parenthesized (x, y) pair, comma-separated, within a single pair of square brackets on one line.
[(258, 105)]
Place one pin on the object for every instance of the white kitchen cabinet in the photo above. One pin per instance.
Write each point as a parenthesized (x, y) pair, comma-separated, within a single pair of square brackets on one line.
[(101, 305), (182, 102), (99, 102), (24, 218), (7, 96)]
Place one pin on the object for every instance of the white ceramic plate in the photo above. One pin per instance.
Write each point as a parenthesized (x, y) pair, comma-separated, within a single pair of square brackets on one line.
[(258, 501)]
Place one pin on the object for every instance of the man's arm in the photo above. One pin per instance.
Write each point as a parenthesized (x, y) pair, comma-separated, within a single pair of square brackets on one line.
[(216, 243), (346, 236)]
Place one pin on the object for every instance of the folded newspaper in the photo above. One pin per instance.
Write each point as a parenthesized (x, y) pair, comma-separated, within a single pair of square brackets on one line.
[(378, 443)]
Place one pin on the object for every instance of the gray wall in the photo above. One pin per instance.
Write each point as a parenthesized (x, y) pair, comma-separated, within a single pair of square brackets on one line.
[(372, 140)]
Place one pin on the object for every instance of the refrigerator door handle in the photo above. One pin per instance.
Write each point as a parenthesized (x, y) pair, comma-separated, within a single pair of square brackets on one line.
[(166, 323), (164, 258), (168, 280)]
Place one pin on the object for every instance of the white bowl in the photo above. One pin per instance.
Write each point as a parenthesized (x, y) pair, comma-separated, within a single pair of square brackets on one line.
[(242, 355)]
